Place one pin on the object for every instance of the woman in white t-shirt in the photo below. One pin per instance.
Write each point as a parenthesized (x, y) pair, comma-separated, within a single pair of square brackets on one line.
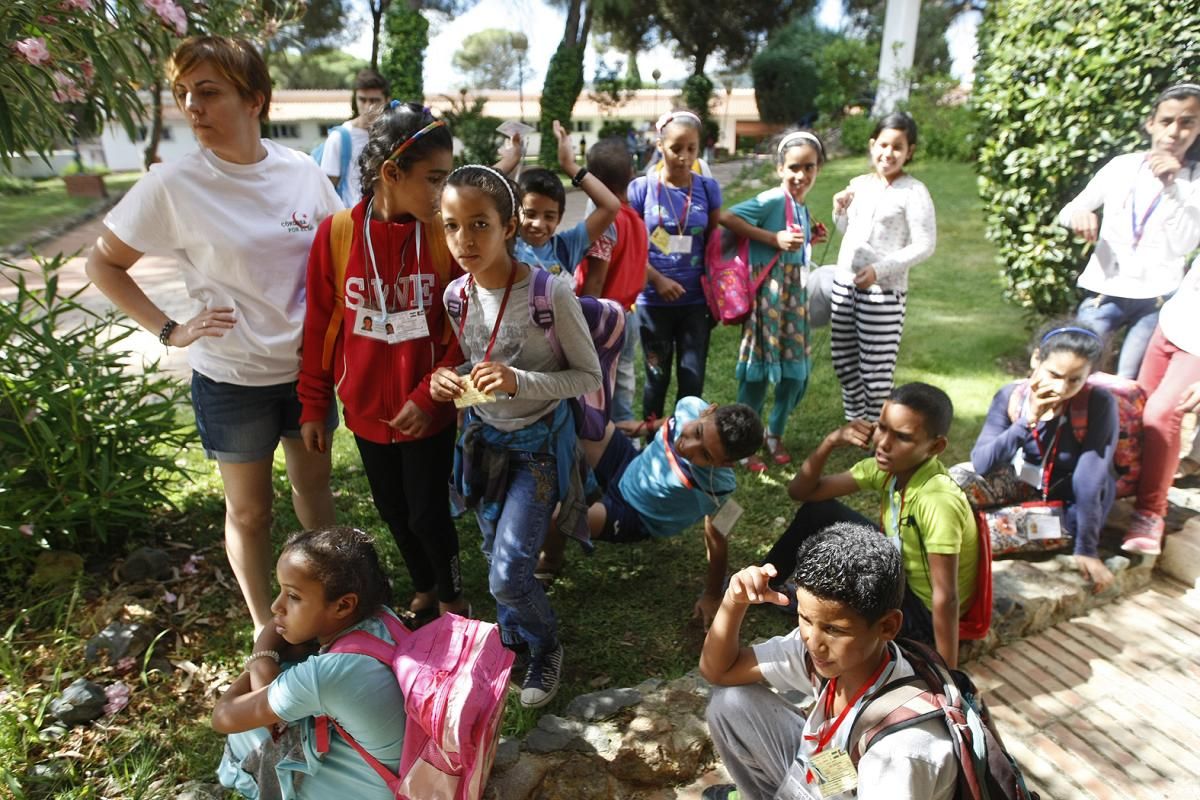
[(239, 217)]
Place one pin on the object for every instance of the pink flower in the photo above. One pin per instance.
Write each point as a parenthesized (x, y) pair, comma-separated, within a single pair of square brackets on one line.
[(169, 596), (68, 91), (88, 69), (118, 698), (48, 19), (76, 5), (171, 14), (26, 529), (33, 50)]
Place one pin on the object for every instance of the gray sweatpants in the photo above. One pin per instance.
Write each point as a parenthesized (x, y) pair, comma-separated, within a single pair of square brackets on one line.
[(757, 734)]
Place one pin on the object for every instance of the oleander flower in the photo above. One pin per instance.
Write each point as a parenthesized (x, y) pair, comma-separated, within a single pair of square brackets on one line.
[(76, 5), (33, 50)]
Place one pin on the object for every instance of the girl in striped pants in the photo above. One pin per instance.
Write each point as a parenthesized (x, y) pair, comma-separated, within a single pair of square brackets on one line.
[(888, 223)]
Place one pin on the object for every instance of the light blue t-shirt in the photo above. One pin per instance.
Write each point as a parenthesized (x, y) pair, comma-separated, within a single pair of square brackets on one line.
[(561, 253), (652, 488), (362, 695)]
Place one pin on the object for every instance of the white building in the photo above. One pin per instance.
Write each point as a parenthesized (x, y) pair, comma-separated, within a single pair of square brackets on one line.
[(299, 118)]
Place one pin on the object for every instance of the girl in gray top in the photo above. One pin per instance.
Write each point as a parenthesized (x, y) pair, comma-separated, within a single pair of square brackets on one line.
[(515, 456)]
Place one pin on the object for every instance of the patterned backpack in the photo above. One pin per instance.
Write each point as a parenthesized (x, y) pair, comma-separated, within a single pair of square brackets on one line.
[(454, 676), (606, 324)]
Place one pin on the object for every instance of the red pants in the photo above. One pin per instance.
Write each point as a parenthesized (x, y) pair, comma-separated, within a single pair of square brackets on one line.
[(1166, 372)]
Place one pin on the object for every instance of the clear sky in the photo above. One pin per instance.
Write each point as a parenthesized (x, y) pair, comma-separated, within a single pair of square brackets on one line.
[(543, 25)]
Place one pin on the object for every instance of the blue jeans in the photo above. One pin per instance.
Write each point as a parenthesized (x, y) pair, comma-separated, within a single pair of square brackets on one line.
[(1108, 314), (511, 545), (673, 333), (622, 400)]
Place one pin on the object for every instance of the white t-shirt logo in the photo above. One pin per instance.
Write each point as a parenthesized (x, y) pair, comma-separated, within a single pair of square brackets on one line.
[(298, 223)]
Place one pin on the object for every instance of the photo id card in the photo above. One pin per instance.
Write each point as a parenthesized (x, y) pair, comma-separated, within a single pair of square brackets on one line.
[(399, 326), (1044, 526), (679, 244), (726, 517)]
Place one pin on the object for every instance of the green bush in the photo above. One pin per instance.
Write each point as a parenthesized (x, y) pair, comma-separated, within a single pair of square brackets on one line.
[(405, 37), (564, 82), (856, 132), (12, 185), (614, 127), (86, 448), (1063, 86), (474, 129), (946, 132)]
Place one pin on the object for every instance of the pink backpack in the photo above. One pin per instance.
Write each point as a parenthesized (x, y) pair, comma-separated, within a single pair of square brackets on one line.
[(454, 676), (726, 282)]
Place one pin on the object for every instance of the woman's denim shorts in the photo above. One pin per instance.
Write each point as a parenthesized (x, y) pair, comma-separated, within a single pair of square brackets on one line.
[(241, 424)]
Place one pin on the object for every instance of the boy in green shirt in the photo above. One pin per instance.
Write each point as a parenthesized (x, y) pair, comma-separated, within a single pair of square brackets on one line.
[(921, 510)]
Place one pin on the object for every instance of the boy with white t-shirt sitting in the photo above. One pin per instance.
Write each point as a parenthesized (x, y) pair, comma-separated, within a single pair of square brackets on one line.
[(850, 585)]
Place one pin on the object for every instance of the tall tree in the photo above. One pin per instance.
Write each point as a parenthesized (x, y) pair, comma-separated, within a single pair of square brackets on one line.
[(932, 53), (403, 60), (564, 76), (490, 59)]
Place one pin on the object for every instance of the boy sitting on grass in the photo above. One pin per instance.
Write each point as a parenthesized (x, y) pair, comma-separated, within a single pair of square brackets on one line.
[(683, 474), (849, 587), (922, 512)]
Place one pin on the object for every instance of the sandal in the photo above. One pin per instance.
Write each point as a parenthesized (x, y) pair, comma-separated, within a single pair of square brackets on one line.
[(754, 464), (776, 450)]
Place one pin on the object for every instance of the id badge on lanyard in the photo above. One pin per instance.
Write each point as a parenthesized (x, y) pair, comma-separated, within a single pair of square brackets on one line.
[(380, 324)]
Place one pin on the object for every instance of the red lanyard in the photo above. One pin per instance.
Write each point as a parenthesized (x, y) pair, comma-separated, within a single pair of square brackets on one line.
[(830, 690), (668, 431), (680, 222), (462, 321), (1139, 228), (1048, 460)]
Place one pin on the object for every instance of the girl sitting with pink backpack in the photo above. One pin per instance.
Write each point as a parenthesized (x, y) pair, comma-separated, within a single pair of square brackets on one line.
[(312, 718)]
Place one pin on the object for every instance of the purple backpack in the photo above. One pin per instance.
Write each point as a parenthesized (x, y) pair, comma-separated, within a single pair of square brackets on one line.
[(606, 324), (454, 676)]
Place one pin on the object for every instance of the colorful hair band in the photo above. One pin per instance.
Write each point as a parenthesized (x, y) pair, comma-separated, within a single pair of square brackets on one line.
[(1070, 329), (437, 123), (671, 116), (500, 177)]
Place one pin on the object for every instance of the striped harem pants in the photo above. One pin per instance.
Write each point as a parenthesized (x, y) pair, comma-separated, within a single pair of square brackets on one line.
[(865, 340)]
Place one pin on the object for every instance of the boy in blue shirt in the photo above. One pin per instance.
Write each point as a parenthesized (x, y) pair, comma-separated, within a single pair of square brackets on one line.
[(543, 201), (683, 474)]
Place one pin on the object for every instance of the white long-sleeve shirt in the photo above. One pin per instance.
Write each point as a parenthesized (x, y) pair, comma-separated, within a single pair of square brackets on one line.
[(1126, 189), (891, 226)]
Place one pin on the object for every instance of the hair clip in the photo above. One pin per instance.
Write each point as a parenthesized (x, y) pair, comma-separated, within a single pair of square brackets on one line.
[(437, 123)]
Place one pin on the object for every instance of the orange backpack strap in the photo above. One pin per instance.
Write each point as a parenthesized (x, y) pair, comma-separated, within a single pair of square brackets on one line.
[(339, 247)]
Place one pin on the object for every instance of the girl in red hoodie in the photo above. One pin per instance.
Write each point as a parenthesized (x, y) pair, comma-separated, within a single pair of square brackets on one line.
[(376, 331)]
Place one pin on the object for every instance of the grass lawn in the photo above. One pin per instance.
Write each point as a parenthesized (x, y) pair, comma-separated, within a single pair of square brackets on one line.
[(624, 612), (23, 215)]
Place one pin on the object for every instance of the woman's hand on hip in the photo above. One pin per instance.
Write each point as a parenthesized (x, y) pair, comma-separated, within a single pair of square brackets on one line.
[(209, 322)]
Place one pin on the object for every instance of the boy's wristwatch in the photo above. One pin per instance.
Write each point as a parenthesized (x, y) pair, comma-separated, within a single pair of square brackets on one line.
[(579, 176)]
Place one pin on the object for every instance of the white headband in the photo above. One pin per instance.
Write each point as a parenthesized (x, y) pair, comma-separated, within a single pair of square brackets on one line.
[(507, 183), (791, 138), (669, 117)]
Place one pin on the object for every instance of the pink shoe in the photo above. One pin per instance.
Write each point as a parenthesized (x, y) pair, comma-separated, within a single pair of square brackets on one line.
[(754, 464), (1145, 534)]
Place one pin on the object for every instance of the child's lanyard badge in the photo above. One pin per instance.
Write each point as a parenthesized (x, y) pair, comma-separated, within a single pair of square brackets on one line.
[(1138, 228), (398, 326), (678, 242), (828, 771)]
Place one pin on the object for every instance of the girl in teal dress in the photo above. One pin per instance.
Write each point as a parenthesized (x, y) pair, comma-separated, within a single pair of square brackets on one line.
[(774, 347)]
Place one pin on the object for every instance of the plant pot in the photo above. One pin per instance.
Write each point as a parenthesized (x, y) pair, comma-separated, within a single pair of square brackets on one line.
[(85, 185)]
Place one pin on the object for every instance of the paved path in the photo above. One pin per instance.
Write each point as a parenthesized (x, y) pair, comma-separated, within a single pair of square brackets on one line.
[(159, 277)]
